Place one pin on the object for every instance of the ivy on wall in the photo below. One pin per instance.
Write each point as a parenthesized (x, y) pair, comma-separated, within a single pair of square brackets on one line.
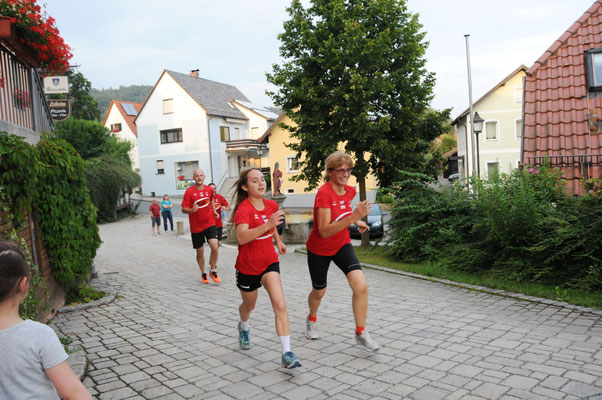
[(50, 178)]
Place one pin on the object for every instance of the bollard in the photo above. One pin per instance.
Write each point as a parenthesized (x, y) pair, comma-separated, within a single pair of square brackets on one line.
[(180, 225)]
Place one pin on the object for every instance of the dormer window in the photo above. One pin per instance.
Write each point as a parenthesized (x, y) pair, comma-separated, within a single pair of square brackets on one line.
[(593, 70)]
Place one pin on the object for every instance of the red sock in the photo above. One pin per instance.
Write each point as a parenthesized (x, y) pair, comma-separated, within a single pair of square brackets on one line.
[(312, 319), (359, 330)]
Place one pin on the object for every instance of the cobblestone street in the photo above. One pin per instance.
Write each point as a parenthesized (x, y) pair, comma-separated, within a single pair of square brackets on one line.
[(167, 336)]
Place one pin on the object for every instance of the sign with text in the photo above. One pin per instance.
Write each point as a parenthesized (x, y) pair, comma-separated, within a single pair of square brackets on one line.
[(59, 109), (56, 84)]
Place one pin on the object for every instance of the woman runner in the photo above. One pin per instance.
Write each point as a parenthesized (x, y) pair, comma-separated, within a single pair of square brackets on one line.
[(329, 241), (257, 263)]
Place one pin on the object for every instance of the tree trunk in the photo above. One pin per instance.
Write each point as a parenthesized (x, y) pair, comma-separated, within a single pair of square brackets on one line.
[(365, 235)]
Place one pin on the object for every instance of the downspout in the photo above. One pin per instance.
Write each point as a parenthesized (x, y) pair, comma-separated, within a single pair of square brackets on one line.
[(522, 136), (210, 149)]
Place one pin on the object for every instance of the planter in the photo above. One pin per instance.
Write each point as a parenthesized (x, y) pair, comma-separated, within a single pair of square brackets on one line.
[(6, 28), (9, 38)]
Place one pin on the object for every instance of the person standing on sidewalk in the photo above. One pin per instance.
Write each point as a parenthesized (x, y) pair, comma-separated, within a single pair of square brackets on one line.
[(155, 212), (329, 241), (166, 206), (198, 204), (257, 263), (221, 205)]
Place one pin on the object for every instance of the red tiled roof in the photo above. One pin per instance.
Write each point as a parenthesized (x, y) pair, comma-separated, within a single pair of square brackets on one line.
[(556, 104), (129, 119)]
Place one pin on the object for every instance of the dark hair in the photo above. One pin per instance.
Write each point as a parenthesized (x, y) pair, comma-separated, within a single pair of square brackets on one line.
[(212, 184), (13, 268), (241, 194)]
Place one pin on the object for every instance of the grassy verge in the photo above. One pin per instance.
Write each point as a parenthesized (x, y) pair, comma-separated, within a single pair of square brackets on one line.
[(83, 294), (380, 256)]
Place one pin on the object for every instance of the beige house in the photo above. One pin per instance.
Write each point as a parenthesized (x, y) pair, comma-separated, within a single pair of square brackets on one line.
[(500, 140), (277, 138)]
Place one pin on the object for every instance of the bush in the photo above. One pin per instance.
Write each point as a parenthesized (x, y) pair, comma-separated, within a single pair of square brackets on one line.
[(520, 226)]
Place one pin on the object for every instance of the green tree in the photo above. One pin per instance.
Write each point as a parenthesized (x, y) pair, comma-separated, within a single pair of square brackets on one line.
[(83, 105), (354, 74)]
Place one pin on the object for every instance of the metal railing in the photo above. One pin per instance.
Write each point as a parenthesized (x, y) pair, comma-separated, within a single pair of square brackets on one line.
[(245, 144), (567, 160), (22, 100)]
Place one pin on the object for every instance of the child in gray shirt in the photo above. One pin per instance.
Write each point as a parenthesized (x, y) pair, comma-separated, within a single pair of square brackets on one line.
[(34, 362)]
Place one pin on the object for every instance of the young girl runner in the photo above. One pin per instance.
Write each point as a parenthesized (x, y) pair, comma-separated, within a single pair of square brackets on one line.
[(34, 362), (257, 263), (329, 241)]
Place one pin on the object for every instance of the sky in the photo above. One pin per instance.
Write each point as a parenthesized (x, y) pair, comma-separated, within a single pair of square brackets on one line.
[(130, 42)]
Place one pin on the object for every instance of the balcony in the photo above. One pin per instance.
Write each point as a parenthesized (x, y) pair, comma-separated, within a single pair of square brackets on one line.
[(22, 100), (246, 146)]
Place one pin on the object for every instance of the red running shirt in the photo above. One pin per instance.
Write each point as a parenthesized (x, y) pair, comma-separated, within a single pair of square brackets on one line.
[(219, 202), (340, 207), (254, 257), (203, 218)]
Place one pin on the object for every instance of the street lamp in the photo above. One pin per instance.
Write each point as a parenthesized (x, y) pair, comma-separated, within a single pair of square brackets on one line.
[(478, 128)]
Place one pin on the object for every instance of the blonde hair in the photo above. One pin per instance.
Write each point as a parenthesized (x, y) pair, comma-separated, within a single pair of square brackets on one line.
[(335, 160)]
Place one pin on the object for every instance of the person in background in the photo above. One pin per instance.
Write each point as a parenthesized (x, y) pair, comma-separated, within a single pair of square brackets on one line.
[(155, 211), (166, 206), (329, 241), (198, 203), (257, 263), (221, 205), (34, 362)]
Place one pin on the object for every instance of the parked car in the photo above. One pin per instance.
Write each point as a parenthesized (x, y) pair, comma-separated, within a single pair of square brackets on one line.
[(375, 222), (453, 177)]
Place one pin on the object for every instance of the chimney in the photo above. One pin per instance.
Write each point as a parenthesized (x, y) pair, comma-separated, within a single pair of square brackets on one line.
[(195, 73)]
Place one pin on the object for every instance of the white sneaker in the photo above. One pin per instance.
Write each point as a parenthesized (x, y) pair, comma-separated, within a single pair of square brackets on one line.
[(365, 340), (311, 329)]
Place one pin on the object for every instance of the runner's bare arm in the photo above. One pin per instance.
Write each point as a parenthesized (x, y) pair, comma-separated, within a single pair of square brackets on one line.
[(327, 229), (245, 235)]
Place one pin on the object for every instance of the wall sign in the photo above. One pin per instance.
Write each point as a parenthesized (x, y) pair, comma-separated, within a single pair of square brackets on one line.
[(56, 84), (59, 109)]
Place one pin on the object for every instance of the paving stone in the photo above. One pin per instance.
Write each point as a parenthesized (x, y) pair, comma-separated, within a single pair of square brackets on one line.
[(166, 336)]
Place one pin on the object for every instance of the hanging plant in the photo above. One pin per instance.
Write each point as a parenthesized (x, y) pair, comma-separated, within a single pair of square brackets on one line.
[(38, 32)]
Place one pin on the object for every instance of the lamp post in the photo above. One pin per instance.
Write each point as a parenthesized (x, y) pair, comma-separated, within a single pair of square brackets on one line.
[(478, 128)]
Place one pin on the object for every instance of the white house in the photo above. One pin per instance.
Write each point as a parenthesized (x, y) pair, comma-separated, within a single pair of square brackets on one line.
[(499, 143), (189, 122), (120, 121)]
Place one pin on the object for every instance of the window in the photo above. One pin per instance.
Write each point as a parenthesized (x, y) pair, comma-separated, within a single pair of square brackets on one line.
[(518, 129), (115, 127), (224, 133), (292, 164), (171, 136), (160, 167), (184, 171), (168, 106), (518, 95), (493, 168), (491, 130), (236, 133), (593, 70), (290, 191), (255, 132)]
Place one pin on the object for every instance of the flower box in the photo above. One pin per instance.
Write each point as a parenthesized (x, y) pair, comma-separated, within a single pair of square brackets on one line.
[(6, 28), (9, 38)]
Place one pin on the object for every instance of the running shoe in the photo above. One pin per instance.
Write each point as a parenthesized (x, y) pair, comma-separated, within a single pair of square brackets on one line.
[(214, 276), (204, 278), (365, 340), (311, 329), (243, 338), (289, 360)]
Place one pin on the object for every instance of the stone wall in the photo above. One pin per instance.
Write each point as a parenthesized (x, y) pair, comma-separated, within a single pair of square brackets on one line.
[(54, 296)]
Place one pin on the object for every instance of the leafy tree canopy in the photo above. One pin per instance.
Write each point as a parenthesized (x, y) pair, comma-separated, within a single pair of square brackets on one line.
[(354, 73), (133, 93)]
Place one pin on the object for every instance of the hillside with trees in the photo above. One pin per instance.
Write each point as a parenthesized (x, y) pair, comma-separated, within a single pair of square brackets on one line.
[(133, 93)]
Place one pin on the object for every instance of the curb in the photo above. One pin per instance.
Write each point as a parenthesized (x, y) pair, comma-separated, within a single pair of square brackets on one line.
[(497, 292), (100, 302)]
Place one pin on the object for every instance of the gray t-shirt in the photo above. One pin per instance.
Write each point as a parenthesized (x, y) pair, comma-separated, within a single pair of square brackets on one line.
[(28, 349)]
